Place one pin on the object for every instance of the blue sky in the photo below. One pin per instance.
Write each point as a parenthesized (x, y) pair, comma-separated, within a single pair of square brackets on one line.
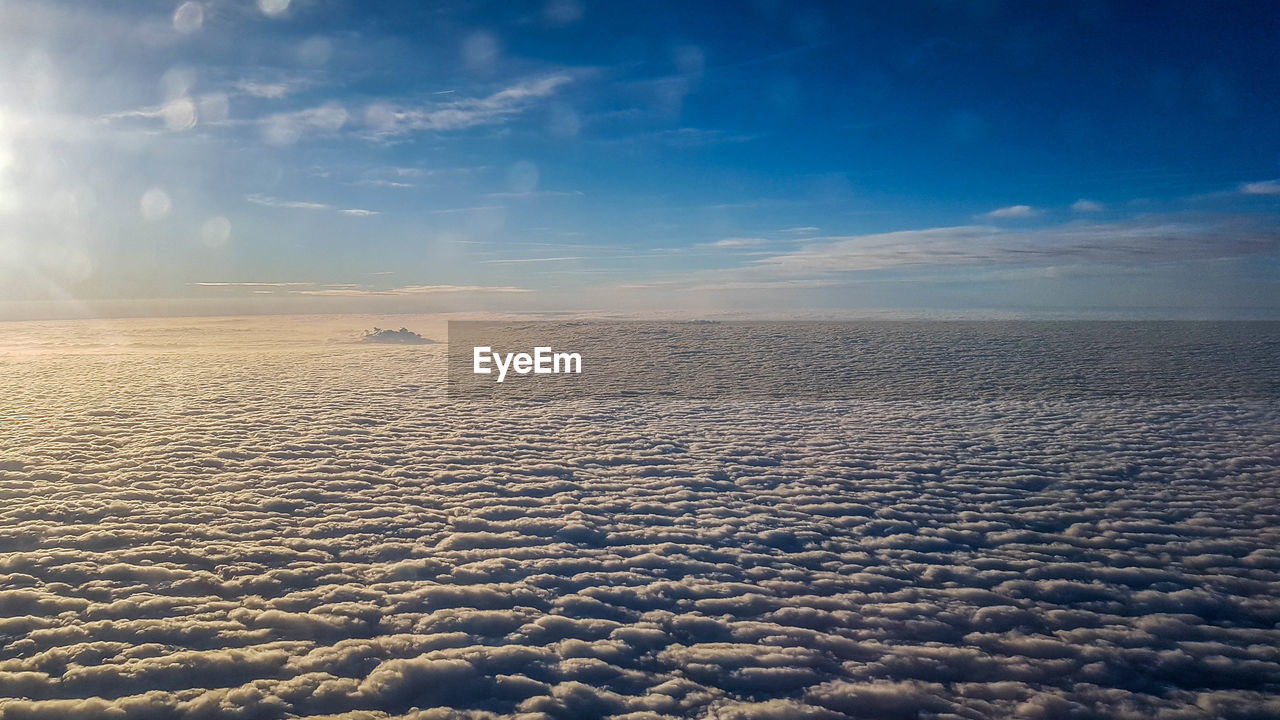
[(322, 155)]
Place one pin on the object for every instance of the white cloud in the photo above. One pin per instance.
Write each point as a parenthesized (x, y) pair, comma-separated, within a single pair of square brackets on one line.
[(1087, 206), (1263, 187), (254, 284), (517, 261), (390, 119), (270, 90), (354, 291), (738, 242), (469, 209), (273, 202), (268, 201), (1142, 242), (536, 194), (1013, 212), (383, 183), (287, 128), (784, 284)]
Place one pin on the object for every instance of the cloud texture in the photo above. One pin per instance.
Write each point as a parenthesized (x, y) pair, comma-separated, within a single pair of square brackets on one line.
[(316, 531)]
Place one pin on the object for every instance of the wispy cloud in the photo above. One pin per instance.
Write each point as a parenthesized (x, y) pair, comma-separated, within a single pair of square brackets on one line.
[(471, 208), (268, 201), (515, 261), (1153, 240), (287, 128), (536, 193), (152, 112), (989, 251), (390, 120), (382, 183), (178, 113), (784, 284), (273, 202), (269, 90), (383, 119), (353, 289), (255, 284), (1263, 187), (412, 290), (409, 177), (691, 137), (390, 177), (1013, 212), (1087, 206), (738, 242)]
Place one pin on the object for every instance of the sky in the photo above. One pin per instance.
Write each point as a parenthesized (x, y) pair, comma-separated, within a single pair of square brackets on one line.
[(766, 157)]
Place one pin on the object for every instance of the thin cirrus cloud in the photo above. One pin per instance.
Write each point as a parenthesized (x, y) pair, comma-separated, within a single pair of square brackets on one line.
[(289, 127), (273, 202), (353, 289), (521, 261), (535, 194), (392, 119), (1013, 212), (272, 90), (730, 243), (177, 114), (379, 119), (348, 291), (1263, 187), (254, 284), (1137, 242)]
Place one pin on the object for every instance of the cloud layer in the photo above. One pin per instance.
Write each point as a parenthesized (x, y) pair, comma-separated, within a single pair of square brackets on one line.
[(1153, 240), (301, 530)]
